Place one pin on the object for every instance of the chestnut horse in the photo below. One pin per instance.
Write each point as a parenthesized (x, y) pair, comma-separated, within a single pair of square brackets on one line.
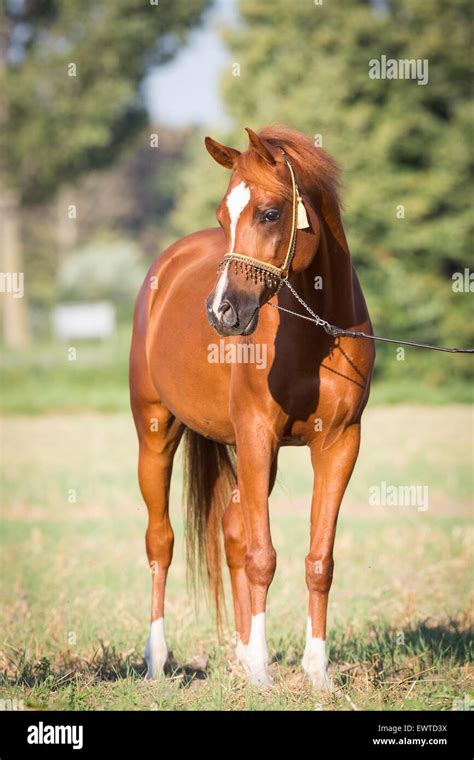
[(212, 360)]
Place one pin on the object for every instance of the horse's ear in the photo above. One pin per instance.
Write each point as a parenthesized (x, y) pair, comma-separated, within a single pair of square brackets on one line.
[(224, 155), (261, 147)]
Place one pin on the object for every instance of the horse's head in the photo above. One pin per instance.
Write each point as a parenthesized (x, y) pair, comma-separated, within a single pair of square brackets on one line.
[(259, 214)]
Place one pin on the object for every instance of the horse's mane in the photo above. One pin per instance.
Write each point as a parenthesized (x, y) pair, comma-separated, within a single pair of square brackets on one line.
[(315, 168)]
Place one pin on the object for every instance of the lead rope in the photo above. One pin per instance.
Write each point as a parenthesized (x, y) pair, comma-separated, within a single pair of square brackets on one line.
[(339, 332)]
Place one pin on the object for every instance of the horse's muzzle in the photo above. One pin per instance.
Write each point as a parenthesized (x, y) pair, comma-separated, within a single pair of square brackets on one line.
[(228, 321)]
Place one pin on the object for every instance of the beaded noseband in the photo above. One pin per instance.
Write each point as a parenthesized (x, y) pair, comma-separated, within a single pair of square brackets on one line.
[(261, 271)]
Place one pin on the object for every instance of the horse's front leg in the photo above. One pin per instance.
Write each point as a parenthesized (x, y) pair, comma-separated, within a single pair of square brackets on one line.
[(255, 457), (332, 471), (235, 540)]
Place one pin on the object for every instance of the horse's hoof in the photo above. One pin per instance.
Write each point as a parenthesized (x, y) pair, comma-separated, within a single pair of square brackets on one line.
[(154, 671), (260, 679), (257, 672), (155, 664), (156, 651), (320, 680)]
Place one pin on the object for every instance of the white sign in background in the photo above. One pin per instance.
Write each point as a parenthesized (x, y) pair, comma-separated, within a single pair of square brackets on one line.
[(84, 320)]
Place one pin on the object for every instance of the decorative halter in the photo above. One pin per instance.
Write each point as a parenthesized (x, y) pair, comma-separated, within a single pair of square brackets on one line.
[(261, 271)]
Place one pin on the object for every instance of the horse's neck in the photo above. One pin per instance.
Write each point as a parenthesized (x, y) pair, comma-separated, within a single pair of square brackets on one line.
[(328, 281)]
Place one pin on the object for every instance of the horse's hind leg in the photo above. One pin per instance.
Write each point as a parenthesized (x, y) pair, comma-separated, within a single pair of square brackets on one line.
[(235, 549), (332, 468), (158, 434)]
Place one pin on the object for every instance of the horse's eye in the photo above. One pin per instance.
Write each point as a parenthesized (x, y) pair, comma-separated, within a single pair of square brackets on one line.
[(271, 215)]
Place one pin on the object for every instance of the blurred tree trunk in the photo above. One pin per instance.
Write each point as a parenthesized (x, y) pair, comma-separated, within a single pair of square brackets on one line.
[(16, 333), (15, 327), (66, 230)]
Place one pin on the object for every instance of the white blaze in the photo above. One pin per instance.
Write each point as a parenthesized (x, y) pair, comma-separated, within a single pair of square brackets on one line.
[(236, 201), (220, 290)]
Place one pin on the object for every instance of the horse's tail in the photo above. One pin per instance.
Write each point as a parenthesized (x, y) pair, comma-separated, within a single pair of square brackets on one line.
[(208, 479)]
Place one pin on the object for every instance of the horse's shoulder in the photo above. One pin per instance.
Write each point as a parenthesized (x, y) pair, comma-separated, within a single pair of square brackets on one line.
[(206, 242), (178, 261)]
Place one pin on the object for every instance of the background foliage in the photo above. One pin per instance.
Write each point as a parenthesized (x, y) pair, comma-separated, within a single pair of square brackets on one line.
[(85, 140), (398, 143), (60, 124)]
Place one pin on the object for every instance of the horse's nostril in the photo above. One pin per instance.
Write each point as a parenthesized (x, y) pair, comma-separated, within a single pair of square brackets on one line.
[(223, 307), (227, 314)]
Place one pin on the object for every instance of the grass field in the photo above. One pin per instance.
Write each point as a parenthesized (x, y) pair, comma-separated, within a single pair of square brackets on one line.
[(75, 596)]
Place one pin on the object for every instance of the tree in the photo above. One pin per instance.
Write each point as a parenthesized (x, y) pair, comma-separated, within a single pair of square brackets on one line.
[(70, 74), (130, 199), (404, 147)]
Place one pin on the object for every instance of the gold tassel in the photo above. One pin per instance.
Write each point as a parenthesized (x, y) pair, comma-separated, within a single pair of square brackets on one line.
[(301, 215)]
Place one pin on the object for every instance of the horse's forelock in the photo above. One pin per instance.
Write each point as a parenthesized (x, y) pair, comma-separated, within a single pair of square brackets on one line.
[(254, 170), (315, 168)]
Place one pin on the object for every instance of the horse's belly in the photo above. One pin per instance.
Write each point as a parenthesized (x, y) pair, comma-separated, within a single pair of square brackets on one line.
[(203, 418)]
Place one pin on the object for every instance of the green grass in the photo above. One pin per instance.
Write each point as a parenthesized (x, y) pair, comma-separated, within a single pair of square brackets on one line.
[(389, 391), (76, 584), (44, 379)]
